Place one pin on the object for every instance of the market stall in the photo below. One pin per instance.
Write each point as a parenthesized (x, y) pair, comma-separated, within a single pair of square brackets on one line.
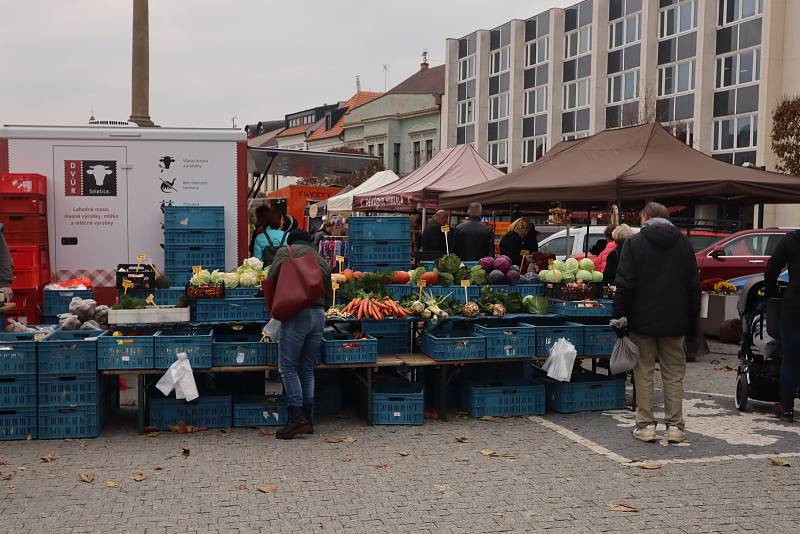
[(342, 203)]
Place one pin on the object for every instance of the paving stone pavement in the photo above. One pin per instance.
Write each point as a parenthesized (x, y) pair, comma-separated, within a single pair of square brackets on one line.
[(540, 479)]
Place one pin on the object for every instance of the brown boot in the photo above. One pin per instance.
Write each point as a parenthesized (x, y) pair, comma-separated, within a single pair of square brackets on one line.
[(297, 424)]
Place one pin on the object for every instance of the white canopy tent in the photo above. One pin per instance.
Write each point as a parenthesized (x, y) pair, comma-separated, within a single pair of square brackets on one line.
[(343, 202)]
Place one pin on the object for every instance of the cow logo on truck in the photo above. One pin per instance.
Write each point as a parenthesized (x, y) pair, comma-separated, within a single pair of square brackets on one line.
[(90, 178)]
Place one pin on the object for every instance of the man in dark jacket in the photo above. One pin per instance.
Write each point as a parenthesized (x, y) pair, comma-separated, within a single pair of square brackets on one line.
[(301, 341), (433, 237), (787, 253), (472, 239), (659, 292)]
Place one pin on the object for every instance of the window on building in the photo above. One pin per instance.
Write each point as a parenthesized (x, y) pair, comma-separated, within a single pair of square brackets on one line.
[(681, 17), (380, 151), (417, 153), (624, 31), (498, 107), (500, 60), (578, 42), (466, 112), (466, 68), (573, 136), (733, 11), (397, 157), (428, 149), (371, 150), (498, 153), (576, 95), (739, 68), (536, 52), (736, 133), (683, 130), (536, 100), (676, 78), (623, 87), (533, 149)]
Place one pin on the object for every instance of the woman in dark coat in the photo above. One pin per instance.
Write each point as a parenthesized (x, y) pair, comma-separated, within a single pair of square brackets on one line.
[(513, 243), (619, 235)]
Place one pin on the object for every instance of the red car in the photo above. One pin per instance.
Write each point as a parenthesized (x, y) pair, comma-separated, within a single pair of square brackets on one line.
[(740, 254)]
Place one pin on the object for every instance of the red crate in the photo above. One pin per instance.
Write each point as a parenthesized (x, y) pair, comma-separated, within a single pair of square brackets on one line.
[(24, 229), (31, 266), (15, 183), (18, 204), (29, 299)]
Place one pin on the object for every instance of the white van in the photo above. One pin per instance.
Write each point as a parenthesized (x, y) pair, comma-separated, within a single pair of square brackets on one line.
[(578, 240)]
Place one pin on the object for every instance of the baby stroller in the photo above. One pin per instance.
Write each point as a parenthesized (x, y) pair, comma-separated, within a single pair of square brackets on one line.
[(758, 374)]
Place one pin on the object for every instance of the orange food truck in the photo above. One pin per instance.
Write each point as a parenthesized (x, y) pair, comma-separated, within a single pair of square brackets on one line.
[(294, 200)]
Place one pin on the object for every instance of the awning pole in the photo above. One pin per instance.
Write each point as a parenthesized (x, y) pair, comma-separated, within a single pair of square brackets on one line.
[(760, 216), (422, 226), (588, 227)]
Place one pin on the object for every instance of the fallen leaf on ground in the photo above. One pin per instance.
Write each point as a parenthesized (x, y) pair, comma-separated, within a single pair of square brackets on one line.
[(714, 362), (341, 416), (267, 432), (780, 462), (3, 462), (463, 439), (138, 477), (347, 460), (333, 439), (267, 489), (486, 418), (157, 468), (186, 452), (225, 431), (152, 434), (47, 458), (349, 439), (650, 465), (621, 508), (403, 453), (112, 483), (498, 514), (178, 428), (29, 437), (441, 488), (8, 476), (21, 468), (381, 466), (12, 489), (240, 487), (508, 455), (82, 445), (488, 452), (86, 477)]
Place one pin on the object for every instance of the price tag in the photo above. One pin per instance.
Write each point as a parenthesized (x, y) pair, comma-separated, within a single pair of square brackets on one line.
[(240, 357), (466, 283), (151, 299), (525, 253), (335, 285), (446, 231), (445, 228), (421, 284), (340, 261), (141, 258), (39, 336), (126, 285), (196, 269)]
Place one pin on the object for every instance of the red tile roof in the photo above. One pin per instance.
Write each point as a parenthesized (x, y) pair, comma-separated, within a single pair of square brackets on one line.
[(358, 99), (296, 130)]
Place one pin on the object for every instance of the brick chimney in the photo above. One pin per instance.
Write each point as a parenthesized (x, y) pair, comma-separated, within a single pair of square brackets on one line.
[(140, 65), (424, 65)]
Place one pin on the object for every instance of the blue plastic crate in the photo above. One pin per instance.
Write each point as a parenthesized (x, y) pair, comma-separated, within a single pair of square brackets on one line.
[(242, 292), (386, 326), (383, 227), (536, 290), (18, 423), (445, 348), (61, 422), (134, 349), (178, 277), (205, 237), (391, 344), (71, 390), (252, 310), (240, 348), (379, 267), (57, 301), (328, 398), (398, 250), (211, 411), (546, 337), (585, 392), (505, 398), (581, 308), (430, 265), (393, 335), (507, 339), (184, 257), (164, 297), (17, 353), (338, 351), (454, 292), (399, 291), (195, 341), (194, 218), (398, 404), (69, 352), (18, 391), (598, 340), (260, 411)]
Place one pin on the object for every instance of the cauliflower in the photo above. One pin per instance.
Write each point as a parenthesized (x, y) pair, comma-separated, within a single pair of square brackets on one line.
[(201, 278), (231, 280), (248, 279), (254, 264), (217, 277)]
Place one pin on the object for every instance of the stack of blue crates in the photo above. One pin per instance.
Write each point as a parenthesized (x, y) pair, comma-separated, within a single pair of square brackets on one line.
[(70, 393), (56, 302), (17, 386), (380, 243), (193, 235)]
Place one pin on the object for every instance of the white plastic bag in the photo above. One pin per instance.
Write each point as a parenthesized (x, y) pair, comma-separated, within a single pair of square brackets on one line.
[(761, 339), (561, 360), (179, 377), (273, 329)]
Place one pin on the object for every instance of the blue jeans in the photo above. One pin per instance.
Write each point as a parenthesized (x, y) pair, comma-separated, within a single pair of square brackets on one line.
[(300, 344), (790, 365)]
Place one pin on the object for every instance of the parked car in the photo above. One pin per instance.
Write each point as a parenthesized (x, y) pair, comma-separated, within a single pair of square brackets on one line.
[(742, 281), (740, 254), (702, 239)]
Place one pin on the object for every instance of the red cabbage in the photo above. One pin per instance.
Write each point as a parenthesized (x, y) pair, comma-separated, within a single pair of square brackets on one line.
[(513, 277), (503, 264), (497, 277), (487, 263)]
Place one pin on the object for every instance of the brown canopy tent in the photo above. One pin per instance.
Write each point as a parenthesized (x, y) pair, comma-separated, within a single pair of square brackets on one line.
[(629, 164), (448, 170)]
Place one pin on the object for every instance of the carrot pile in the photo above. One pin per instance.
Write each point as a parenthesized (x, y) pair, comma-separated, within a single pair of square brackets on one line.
[(372, 308)]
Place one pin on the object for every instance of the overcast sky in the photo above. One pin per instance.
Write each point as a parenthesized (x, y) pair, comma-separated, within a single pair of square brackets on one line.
[(213, 59)]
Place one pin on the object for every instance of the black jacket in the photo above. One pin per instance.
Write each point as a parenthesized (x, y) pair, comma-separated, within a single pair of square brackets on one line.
[(786, 253), (612, 264), (473, 240), (433, 238), (531, 241), (511, 245), (657, 282)]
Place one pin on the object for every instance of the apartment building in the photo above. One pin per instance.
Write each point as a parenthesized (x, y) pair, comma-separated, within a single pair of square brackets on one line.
[(711, 71)]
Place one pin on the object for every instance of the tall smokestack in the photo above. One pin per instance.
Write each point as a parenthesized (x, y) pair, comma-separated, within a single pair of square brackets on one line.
[(140, 65)]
